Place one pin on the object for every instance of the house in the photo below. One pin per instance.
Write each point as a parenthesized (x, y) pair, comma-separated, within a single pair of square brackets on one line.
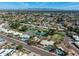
[(46, 42), (37, 39), (60, 52), (76, 37), (49, 48), (76, 43), (25, 37), (6, 52)]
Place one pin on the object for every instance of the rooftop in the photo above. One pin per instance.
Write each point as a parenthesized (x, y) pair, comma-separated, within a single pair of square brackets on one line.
[(76, 37), (45, 42), (4, 52)]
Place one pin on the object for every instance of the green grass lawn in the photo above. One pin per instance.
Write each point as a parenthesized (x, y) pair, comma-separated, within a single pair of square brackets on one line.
[(58, 37)]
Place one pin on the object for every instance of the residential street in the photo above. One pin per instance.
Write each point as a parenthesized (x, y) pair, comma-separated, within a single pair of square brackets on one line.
[(38, 51)]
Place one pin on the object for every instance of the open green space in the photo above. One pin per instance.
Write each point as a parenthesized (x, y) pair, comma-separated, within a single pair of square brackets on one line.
[(58, 37)]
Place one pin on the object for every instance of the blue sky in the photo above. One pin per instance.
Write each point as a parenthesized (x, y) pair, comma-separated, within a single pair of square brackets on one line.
[(24, 5)]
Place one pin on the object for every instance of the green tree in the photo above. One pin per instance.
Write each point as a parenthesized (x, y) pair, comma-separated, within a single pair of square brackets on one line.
[(23, 28), (32, 41), (19, 47), (57, 38), (14, 24), (69, 28), (51, 31)]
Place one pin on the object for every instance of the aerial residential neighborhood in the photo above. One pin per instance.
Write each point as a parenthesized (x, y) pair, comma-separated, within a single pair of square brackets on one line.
[(39, 31)]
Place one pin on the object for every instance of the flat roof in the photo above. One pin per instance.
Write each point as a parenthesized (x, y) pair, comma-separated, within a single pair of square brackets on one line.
[(77, 43), (45, 42), (4, 52), (76, 37)]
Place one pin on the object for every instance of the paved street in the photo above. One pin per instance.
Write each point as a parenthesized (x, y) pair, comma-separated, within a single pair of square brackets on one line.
[(38, 51), (69, 42), (33, 49)]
